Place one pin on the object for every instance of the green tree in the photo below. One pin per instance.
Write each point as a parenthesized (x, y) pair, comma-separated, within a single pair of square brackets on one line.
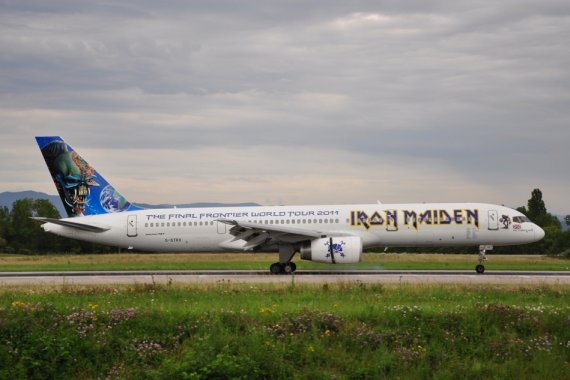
[(45, 242), (567, 220), (536, 206), (25, 235), (43, 207), (537, 212), (24, 232), (4, 223)]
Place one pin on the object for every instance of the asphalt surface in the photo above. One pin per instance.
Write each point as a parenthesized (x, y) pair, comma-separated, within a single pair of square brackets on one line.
[(302, 276)]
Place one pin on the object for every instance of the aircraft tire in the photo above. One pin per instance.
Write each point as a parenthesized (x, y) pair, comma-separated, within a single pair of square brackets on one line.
[(289, 268), (276, 268), (480, 269)]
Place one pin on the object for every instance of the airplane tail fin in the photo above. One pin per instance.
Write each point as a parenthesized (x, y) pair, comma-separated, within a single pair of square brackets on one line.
[(81, 188)]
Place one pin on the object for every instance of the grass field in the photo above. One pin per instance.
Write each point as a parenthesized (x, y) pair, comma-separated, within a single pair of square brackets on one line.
[(344, 331), (261, 261)]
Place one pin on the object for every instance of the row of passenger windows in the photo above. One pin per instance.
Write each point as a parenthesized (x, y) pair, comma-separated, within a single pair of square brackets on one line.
[(211, 223)]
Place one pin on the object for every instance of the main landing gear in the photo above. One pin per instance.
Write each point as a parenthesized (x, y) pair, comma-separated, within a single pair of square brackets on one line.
[(480, 268), (284, 266)]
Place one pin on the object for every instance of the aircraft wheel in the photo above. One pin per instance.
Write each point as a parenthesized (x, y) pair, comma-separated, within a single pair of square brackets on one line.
[(480, 269), (289, 268), (276, 268)]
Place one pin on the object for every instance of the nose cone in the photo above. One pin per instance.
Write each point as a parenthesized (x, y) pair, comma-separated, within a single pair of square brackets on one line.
[(538, 233)]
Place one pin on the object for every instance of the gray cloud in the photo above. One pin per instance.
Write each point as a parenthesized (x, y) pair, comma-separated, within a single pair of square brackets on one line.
[(478, 90)]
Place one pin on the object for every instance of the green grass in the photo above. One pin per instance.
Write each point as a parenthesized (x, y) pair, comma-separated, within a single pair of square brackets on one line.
[(343, 331), (261, 261)]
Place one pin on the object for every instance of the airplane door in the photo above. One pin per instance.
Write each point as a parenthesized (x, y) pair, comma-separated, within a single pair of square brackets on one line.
[(131, 225), (221, 228), (493, 220)]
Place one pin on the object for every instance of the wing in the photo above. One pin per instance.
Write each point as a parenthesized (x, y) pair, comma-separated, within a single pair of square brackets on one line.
[(256, 234)]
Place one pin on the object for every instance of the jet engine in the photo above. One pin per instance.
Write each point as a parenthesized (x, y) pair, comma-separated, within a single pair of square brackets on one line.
[(333, 250)]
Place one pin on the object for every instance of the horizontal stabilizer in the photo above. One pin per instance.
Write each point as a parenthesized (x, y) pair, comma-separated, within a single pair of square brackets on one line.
[(68, 223)]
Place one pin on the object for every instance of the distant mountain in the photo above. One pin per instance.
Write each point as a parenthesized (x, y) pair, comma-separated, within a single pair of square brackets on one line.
[(8, 197)]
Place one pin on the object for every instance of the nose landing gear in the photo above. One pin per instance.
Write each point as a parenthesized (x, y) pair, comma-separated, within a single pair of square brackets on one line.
[(480, 268)]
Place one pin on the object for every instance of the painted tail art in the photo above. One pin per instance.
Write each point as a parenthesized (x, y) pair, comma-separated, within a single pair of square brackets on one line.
[(81, 188)]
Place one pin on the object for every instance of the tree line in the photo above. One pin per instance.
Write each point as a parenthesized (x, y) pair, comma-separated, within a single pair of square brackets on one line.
[(20, 234), (556, 241)]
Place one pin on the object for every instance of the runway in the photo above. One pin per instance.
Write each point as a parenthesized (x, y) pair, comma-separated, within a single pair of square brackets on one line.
[(300, 277)]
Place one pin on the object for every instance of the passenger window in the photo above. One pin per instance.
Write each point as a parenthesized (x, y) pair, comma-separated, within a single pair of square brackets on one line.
[(293, 221)]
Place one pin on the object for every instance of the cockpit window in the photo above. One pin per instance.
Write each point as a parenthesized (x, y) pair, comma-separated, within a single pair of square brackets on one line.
[(520, 219)]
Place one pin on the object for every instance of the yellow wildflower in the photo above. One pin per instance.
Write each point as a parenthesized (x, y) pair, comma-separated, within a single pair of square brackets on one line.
[(19, 305)]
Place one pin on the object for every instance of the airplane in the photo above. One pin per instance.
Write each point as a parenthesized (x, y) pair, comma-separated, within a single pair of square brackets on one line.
[(335, 234)]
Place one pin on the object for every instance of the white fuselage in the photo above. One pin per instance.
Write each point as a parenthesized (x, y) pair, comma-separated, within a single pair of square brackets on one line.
[(378, 225)]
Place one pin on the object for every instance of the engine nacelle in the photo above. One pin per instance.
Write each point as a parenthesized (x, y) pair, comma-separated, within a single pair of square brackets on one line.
[(334, 250)]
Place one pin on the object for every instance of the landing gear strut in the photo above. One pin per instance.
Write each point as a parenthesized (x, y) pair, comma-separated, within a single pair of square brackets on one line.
[(284, 266), (480, 268)]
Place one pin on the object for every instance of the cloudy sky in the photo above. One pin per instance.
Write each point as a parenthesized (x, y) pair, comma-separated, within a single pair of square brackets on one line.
[(293, 102)]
